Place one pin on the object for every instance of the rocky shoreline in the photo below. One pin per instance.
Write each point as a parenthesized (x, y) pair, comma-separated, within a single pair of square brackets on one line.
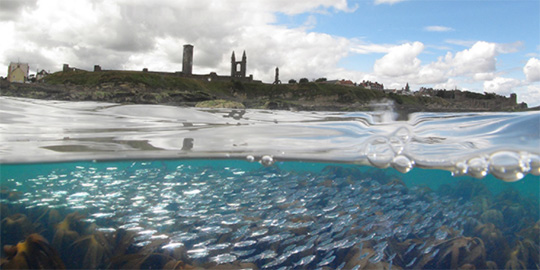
[(191, 92)]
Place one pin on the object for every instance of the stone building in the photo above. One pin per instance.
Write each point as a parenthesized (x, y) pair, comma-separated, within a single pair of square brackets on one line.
[(18, 72), (187, 61), (371, 85), (235, 72), (238, 69)]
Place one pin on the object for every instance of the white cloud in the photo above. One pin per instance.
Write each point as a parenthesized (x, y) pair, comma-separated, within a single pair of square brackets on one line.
[(360, 47), (438, 28), (464, 43), (400, 60), (531, 95), (486, 76), (133, 34), (449, 84), (480, 58), (502, 86), (532, 70), (509, 47)]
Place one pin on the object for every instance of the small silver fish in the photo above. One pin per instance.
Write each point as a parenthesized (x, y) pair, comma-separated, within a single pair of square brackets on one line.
[(305, 261)]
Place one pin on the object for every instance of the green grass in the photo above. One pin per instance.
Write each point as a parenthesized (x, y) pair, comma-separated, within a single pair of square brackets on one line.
[(162, 86), (151, 80)]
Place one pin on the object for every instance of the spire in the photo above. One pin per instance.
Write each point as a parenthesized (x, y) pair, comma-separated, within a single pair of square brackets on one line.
[(233, 57), (244, 55)]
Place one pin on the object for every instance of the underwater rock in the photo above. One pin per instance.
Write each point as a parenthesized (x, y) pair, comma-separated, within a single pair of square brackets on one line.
[(34, 253), (16, 228)]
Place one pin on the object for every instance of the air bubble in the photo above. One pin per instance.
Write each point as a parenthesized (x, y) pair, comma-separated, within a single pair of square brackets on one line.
[(525, 158), (402, 164), (507, 166), (534, 164), (403, 133), (477, 167), (250, 158), (397, 145), (460, 169), (267, 160), (379, 152)]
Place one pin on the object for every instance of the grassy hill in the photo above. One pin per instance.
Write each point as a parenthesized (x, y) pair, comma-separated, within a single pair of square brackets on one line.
[(160, 88), (143, 87)]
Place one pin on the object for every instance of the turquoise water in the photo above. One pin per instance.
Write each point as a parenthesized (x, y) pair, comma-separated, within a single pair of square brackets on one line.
[(93, 185)]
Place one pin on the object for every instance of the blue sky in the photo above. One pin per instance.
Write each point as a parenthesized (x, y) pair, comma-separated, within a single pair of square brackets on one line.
[(475, 45), (460, 23)]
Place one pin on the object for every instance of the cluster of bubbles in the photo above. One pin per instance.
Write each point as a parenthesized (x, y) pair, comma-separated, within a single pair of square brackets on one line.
[(391, 151), (507, 165)]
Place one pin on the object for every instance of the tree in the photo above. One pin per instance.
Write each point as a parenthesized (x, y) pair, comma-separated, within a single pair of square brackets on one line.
[(320, 80), (292, 81), (304, 80)]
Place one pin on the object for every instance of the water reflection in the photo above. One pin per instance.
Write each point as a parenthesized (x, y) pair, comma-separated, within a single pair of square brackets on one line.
[(459, 142)]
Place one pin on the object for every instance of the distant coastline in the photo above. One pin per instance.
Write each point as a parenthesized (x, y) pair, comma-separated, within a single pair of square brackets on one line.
[(148, 88)]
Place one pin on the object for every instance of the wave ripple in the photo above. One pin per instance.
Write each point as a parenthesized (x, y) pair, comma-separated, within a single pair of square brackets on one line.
[(506, 145)]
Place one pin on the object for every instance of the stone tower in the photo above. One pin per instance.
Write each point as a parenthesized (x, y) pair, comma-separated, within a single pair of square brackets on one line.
[(187, 61), (235, 73)]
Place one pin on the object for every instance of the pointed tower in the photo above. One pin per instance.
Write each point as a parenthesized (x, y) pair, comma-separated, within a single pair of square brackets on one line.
[(235, 73), (243, 66), (233, 65)]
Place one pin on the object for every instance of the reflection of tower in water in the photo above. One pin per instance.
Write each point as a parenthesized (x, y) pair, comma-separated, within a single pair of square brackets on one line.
[(187, 144)]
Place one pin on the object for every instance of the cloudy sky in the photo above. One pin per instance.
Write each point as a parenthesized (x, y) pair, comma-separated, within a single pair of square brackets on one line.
[(476, 45)]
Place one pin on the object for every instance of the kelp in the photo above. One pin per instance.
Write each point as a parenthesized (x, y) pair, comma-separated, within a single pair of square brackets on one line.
[(34, 253)]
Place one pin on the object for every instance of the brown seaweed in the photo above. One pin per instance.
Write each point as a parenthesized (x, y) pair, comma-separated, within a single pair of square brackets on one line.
[(460, 251), (16, 228), (34, 253), (91, 251)]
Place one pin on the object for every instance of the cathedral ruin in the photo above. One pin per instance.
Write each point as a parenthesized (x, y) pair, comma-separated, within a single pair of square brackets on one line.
[(238, 68)]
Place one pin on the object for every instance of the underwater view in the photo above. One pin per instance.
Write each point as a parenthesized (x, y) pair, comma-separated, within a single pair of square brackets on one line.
[(89, 185)]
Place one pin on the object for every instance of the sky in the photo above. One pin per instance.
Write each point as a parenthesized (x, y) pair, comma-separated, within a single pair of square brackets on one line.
[(476, 45)]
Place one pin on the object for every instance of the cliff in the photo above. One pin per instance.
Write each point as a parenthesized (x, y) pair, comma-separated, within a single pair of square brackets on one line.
[(149, 88)]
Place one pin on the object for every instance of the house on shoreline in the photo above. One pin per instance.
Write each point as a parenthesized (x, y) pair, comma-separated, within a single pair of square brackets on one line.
[(18, 72)]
